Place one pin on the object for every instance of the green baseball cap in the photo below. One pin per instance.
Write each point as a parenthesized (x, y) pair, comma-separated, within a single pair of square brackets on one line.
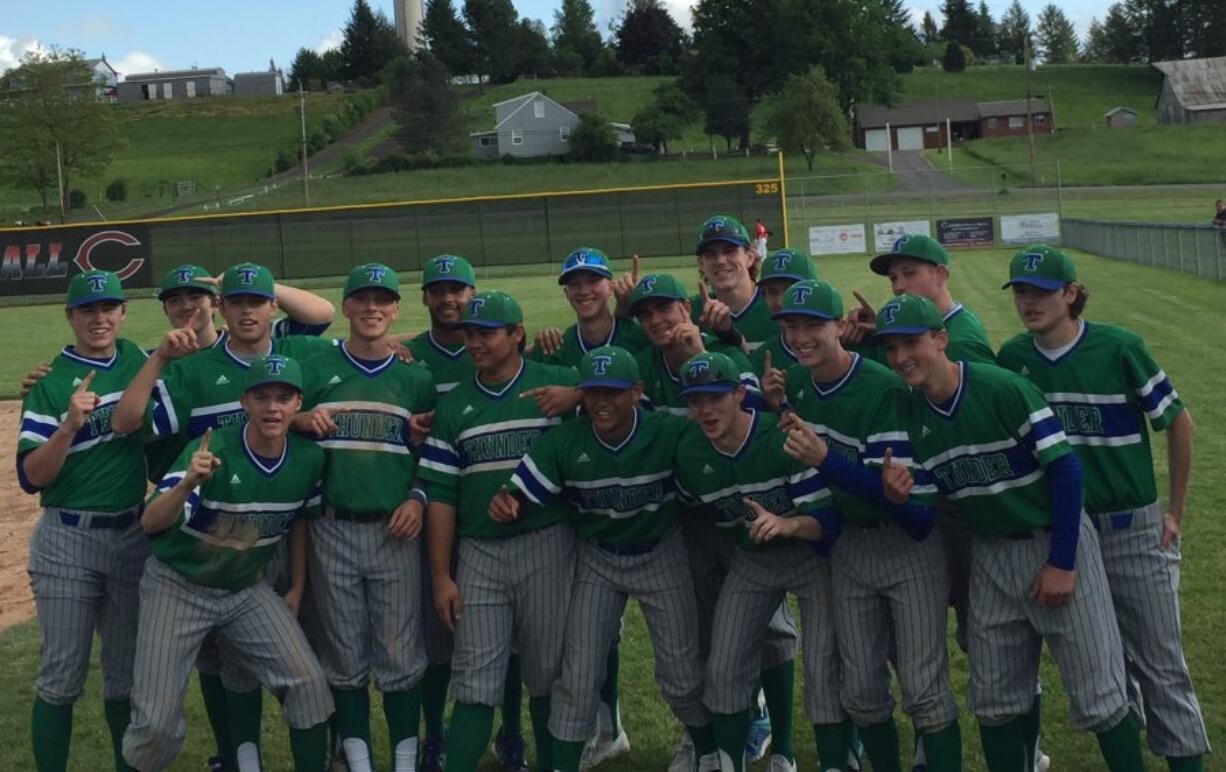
[(274, 369), (787, 264), (492, 309), (186, 277), (709, 372), (656, 285), (915, 245), (448, 268), (93, 287), (811, 297), (721, 227), (247, 279), (608, 367), (1041, 266), (372, 275), (587, 259), (908, 315)]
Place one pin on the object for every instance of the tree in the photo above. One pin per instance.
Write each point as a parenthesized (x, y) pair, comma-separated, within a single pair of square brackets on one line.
[(491, 29), (648, 40), (370, 43), (1121, 43), (42, 115), (529, 50), (425, 105), (985, 32), (1056, 37), (1206, 24), (666, 117), (593, 139), (928, 29), (805, 117), (309, 71), (1159, 28), (726, 111), (901, 40), (1014, 34), (1094, 50), (574, 29), (955, 57), (960, 22), (444, 34)]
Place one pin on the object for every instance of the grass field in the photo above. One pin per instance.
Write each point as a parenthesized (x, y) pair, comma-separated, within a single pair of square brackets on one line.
[(1162, 306)]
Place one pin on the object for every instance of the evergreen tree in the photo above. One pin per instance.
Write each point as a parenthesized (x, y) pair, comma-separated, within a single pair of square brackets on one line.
[(1056, 37), (955, 57), (492, 33), (928, 29), (960, 22), (425, 105), (1206, 27), (648, 40), (1094, 50), (444, 34), (308, 71), (574, 29), (985, 32), (370, 43), (1014, 33), (1122, 44), (1158, 26)]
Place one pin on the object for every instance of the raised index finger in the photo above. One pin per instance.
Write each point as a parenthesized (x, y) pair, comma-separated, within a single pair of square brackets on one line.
[(634, 268), (84, 384), (204, 441), (888, 461), (863, 301), (766, 362)]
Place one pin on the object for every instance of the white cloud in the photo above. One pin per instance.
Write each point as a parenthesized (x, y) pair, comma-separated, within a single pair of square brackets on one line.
[(136, 61), (13, 50), (330, 41), (680, 10)]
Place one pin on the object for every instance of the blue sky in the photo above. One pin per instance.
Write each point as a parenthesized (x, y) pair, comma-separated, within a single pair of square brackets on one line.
[(239, 35)]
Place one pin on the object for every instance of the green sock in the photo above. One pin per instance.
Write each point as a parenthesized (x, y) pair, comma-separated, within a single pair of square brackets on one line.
[(246, 712), (943, 749), (703, 738), (309, 747), (566, 755), (352, 714), (512, 700), (1030, 729), (833, 743), (779, 685), (1121, 746), (1186, 763), (731, 732), (50, 733), (401, 710), (1004, 747), (538, 709), (118, 713), (434, 698), (881, 745), (468, 735), (608, 692), (214, 696)]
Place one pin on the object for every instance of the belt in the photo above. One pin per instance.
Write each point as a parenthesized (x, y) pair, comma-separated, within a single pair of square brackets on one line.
[(1027, 534), (1114, 521), (95, 520), (625, 550), (348, 515)]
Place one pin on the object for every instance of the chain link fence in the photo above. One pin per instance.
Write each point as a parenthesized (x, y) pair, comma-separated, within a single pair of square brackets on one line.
[(1196, 249)]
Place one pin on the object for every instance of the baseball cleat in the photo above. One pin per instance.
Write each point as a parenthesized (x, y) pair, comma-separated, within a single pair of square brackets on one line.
[(600, 749), (509, 751), (709, 763), (780, 764), (1042, 762), (684, 758), (433, 755), (759, 737)]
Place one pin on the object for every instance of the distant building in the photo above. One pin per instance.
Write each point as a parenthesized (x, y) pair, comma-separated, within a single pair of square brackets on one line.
[(105, 79), (88, 76), (532, 125), (1120, 118), (175, 84), (936, 123), (267, 83), (1193, 91)]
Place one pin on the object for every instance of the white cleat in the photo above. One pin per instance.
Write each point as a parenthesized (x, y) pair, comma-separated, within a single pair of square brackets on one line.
[(684, 757), (601, 749), (710, 763), (1042, 762), (780, 764)]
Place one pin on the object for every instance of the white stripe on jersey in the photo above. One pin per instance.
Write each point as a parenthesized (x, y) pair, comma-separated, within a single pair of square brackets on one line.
[(375, 407), (994, 488), (500, 426)]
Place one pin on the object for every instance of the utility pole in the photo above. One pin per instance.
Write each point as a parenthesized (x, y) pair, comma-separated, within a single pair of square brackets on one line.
[(59, 173), (1029, 115), (306, 179)]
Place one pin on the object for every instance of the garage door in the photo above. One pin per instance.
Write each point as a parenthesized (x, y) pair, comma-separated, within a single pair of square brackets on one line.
[(874, 139), (911, 138)]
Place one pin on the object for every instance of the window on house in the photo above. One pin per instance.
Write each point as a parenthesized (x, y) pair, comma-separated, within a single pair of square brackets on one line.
[(191, 88), (1017, 121), (489, 141), (564, 133), (1039, 120), (992, 122), (517, 137), (538, 107)]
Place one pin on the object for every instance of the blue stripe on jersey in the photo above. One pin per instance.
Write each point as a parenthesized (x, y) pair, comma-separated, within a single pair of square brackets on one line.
[(806, 485), (1118, 420), (197, 424), (38, 426), (436, 454), (22, 480), (897, 442), (623, 500), (975, 470), (536, 489), (1048, 426), (1156, 395)]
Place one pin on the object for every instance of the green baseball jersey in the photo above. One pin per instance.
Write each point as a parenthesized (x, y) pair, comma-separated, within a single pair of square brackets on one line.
[(782, 357), (161, 452), (480, 433), (1103, 388), (449, 366), (231, 524), (968, 341), (626, 333), (621, 494), (754, 321), (986, 449), (716, 482), (371, 461), (104, 471), (662, 386), (859, 416)]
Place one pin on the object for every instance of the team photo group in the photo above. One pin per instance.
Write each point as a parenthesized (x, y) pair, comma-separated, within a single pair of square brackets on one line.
[(461, 514)]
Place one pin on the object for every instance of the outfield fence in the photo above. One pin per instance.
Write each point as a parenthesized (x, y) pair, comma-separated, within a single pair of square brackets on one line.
[(537, 228), (1196, 249)]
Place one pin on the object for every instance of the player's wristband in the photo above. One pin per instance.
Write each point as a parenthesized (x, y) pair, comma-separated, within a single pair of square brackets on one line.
[(417, 494)]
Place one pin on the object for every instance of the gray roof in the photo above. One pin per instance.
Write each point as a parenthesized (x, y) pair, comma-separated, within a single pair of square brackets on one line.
[(1012, 107), (1199, 84), (1115, 110), (173, 74), (917, 113)]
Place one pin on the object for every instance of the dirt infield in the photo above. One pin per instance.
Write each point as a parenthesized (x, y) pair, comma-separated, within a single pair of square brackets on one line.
[(18, 513)]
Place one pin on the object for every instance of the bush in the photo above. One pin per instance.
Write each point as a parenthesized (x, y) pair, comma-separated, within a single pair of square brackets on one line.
[(593, 139), (117, 190), (355, 164), (333, 126), (76, 199), (955, 58), (286, 159)]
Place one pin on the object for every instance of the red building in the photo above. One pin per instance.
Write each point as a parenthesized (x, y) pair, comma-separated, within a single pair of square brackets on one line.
[(928, 124)]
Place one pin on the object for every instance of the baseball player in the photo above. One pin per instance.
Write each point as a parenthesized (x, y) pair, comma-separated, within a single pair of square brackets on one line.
[(731, 465), (87, 549), (986, 439), (1103, 385), (780, 270), (512, 583), (728, 263), (214, 523), (890, 588), (614, 465), (364, 558), (447, 284)]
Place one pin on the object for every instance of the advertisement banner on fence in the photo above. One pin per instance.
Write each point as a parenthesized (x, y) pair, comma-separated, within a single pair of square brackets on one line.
[(40, 262), (1029, 228), (966, 232), (886, 233), (837, 239)]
